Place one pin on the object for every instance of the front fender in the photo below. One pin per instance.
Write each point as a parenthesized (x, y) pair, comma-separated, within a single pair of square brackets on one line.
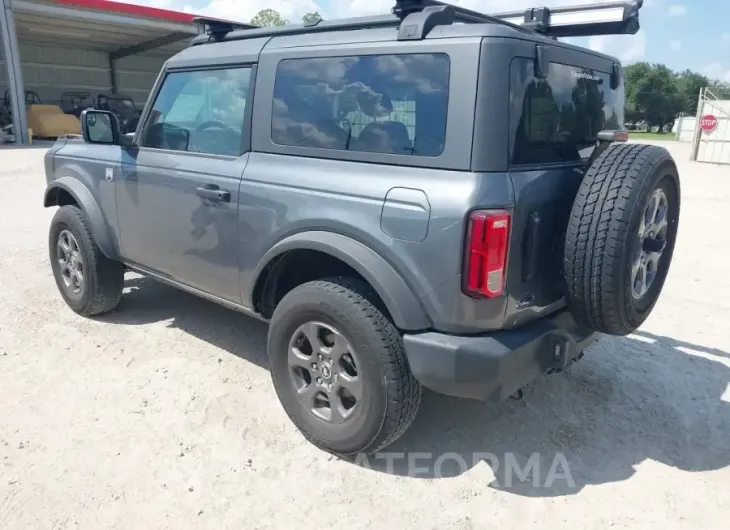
[(402, 304), (84, 198)]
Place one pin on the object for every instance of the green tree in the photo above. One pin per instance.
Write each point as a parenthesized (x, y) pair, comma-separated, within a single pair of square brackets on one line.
[(311, 18), (267, 18), (689, 84), (721, 89), (652, 94)]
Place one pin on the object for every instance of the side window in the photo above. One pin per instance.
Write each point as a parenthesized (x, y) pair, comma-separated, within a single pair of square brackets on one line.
[(199, 111), (392, 104), (558, 119)]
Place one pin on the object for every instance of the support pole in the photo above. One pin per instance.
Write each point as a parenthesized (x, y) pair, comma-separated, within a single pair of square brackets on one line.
[(698, 130), (113, 73), (15, 76)]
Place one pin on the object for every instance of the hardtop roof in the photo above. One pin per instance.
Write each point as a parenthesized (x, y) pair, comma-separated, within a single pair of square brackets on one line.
[(248, 50)]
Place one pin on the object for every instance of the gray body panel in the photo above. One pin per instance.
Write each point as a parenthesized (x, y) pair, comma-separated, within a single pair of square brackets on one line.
[(80, 169), (398, 220), (167, 227)]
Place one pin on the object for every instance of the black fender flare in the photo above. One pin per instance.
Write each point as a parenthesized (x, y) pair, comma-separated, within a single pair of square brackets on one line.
[(85, 200), (399, 299)]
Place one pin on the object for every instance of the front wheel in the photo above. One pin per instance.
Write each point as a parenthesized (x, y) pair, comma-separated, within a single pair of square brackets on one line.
[(89, 282), (339, 367)]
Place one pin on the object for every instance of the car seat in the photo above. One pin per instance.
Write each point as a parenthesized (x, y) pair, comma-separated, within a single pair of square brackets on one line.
[(384, 137)]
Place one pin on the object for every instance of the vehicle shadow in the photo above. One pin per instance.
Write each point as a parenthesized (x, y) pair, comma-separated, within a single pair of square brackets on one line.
[(673, 343), (628, 401), (147, 301)]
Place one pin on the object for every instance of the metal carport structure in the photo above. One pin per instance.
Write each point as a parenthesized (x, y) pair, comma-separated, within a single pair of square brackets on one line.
[(85, 45)]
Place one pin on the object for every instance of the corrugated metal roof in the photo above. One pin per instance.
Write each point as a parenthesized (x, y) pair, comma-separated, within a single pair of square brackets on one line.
[(99, 24), (130, 9)]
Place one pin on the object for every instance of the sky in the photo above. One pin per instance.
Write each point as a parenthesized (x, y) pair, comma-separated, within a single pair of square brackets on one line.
[(682, 34)]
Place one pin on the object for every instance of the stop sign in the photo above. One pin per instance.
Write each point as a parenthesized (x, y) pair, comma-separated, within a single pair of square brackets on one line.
[(708, 123)]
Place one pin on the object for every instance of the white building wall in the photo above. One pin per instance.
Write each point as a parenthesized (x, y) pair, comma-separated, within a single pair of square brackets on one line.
[(685, 128), (136, 75)]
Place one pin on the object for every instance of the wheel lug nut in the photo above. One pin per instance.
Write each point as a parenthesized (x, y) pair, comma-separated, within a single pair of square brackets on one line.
[(329, 387), (314, 366), (321, 357), (319, 380)]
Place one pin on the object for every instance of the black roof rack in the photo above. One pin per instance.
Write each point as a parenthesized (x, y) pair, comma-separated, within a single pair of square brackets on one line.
[(416, 18), (217, 29), (610, 18)]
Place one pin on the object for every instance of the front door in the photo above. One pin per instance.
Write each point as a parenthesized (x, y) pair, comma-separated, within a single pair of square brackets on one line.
[(177, 195)]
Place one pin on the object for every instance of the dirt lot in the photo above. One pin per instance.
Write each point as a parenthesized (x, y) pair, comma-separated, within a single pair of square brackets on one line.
[(162, 415)]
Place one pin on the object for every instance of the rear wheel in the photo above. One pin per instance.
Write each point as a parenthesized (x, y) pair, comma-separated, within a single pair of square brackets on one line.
[(621, 237), (339, 367)]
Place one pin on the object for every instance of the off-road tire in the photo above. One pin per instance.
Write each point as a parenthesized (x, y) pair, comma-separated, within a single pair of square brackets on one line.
[(103, 277), (391, 395), (601, 239)]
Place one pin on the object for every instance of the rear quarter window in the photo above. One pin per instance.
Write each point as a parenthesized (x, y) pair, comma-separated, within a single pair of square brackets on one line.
[(557, 120), (393, 104)]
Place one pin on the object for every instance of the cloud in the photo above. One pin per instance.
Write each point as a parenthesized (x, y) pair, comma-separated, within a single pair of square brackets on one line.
[(628, 48), (675, 45), (717, 71), (677, 10)]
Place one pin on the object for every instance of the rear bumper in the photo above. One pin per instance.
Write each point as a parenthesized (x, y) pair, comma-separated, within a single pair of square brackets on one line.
[(492, 367)]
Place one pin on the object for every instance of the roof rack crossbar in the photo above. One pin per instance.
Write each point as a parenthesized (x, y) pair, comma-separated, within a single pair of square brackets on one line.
[(415, 18), (241, 32), (405, 7), (611, 18)]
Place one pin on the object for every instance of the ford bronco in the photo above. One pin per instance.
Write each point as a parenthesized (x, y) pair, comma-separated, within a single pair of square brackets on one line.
[(431, 198)]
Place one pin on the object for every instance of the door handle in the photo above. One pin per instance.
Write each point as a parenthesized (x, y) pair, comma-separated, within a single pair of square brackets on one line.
[(214, 194)]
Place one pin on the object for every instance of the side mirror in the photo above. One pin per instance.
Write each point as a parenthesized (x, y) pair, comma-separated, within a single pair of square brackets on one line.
[(100, 127)]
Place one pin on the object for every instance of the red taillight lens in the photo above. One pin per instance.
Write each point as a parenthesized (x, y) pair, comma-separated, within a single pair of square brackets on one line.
[(485, 257)]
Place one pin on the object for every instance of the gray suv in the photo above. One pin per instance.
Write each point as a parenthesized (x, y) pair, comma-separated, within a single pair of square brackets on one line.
[(431, 198)]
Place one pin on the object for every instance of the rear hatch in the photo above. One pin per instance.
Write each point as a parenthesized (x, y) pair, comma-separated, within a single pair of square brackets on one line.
[(554, 123)]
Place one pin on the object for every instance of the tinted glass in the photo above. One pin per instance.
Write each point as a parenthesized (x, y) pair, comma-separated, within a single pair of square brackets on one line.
[(199, 112), (558, 119), (378, 103)]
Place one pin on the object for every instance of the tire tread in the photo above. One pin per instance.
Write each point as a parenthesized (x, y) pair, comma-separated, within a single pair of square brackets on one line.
[(597, 231), (106, 275), (403, 390)]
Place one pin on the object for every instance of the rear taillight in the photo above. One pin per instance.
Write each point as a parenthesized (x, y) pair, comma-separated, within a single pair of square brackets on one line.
[(485, 255)]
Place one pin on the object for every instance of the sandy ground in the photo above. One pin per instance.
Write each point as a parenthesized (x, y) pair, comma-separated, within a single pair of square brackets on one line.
[(162, 415)]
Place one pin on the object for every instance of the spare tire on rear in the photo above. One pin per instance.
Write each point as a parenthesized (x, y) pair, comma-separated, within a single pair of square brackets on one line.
[(621, 236)]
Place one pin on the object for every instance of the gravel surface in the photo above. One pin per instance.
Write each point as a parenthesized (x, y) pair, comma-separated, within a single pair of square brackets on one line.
[(162, 414)]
